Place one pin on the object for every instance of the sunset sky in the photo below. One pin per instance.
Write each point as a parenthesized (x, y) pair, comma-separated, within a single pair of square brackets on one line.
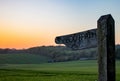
[(29, 23)]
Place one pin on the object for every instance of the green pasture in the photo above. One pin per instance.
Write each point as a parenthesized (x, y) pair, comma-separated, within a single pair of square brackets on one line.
[(22, 58), (60, 71)]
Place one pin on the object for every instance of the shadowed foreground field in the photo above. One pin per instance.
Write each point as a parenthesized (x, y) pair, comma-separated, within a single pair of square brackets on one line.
[(62, 71)]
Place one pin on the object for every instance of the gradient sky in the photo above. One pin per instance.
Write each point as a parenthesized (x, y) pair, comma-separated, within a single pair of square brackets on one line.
[(28, 23)]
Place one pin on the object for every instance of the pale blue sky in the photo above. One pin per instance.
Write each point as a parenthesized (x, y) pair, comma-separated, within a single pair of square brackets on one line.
[(49, 18)]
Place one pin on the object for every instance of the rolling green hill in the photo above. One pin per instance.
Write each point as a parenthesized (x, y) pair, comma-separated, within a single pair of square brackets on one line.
[(22, 59), (43, 54)]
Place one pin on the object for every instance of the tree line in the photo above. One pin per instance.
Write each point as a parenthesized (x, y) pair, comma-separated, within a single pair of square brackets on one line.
[(60, 53)]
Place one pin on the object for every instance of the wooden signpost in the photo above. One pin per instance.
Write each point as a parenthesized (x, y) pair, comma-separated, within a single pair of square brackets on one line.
[(103, 38), (80, 40)]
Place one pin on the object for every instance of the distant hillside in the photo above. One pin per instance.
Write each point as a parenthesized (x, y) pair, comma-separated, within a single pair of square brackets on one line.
[(49, 54), (118, 46), (61, 53), (118, 51), (22, 59)]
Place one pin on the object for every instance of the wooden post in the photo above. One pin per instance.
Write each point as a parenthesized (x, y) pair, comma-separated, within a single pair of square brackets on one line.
[(106, 48)]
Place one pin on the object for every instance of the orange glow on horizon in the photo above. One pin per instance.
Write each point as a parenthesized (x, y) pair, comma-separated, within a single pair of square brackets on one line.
[(19, 42), (13, 40), (20, 39), (26, 38)]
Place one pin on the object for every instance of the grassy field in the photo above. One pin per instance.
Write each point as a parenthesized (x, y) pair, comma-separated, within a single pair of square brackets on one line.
[(62, 71), (22, 59)]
